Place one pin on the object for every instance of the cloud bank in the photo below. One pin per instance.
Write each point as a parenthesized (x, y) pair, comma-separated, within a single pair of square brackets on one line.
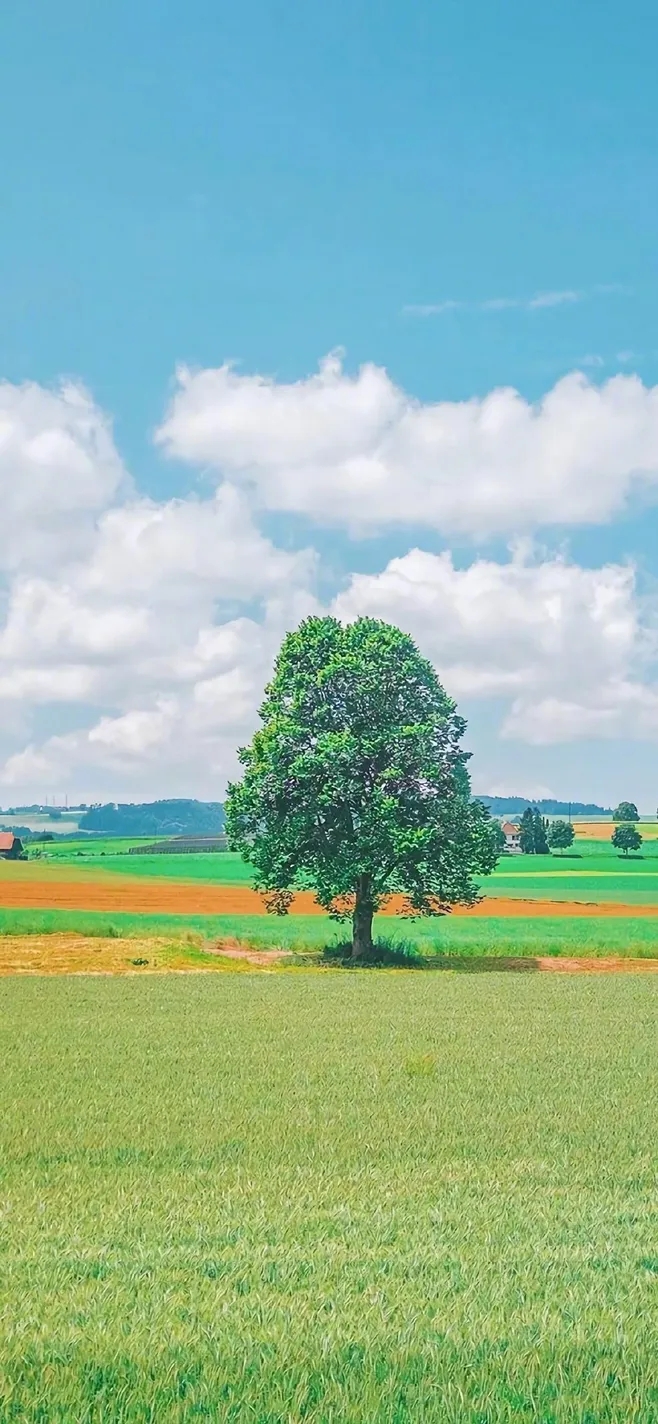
[(358, 452), (136, 635)]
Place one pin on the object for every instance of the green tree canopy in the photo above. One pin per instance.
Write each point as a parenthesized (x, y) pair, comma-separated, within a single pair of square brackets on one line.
[(533, 832), (626, 837), (560, 835), (498, 837), (356, 784), (626, 811)]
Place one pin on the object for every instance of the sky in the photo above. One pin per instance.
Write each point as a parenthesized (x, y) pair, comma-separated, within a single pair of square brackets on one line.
[(310, 308)]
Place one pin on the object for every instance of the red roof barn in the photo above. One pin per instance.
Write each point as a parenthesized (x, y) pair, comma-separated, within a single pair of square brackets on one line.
[(10, 846)]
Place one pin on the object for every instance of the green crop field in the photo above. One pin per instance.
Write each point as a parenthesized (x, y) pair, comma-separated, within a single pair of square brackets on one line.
[(348, 1197), (480, 936), (593, 873), (221, 868)]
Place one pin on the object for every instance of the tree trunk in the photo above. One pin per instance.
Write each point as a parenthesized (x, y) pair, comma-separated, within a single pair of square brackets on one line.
[(362, 919)]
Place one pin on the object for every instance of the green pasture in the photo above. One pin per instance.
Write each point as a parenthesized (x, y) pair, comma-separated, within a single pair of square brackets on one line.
[(218, 867), (593, 872), (346, 1197), (87, 847), (481, 936)]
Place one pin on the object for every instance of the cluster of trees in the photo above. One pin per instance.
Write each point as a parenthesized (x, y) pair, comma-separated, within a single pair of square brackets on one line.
[(515, 805), (539, 836), (156, 818)]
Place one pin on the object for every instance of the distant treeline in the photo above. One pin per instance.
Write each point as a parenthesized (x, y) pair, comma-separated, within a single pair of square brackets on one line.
[(156, 818), (512, 805)]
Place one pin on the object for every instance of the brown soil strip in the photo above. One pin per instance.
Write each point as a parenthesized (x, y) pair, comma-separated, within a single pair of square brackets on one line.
[(612, 965), (509, 907), (261, 957), (116, 894)]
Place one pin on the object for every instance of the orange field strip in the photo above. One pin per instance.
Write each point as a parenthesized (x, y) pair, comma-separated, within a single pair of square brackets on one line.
[(602, 830), (115, 894)]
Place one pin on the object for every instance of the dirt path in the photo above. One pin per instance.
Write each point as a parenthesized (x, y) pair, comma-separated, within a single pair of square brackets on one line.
[(57, 954)]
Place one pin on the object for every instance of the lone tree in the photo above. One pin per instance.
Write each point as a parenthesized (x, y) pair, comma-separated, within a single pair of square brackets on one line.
[(560, 835), (532, 837), (356, 784), (626, 811), (626, 837)]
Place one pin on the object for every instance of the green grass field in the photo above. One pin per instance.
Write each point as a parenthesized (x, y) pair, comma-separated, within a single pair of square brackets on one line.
[(597, 873), (592, 872), (485, 935), (222, 868), (347, 1198)]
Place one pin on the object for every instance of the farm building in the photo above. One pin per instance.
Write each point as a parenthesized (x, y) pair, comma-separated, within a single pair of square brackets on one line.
[(512, 836), (11, 847)]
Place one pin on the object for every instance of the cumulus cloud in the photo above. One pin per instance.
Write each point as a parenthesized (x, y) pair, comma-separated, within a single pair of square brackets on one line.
[(183, 715), (121, 611), (58, 470), (356, 450), (565, 646), (136, 635)]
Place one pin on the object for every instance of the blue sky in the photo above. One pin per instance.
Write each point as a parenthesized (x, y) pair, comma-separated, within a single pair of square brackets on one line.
[(461, 195)]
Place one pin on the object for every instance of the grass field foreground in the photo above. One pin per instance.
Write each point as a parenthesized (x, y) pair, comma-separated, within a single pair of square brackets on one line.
[(483, 936), (354, 1197)]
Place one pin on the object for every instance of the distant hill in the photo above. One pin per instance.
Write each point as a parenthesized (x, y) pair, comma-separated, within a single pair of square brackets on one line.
[(156, 818), (514, 805)]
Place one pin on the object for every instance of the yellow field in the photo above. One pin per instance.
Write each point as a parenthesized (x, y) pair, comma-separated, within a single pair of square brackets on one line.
[(602, 830)]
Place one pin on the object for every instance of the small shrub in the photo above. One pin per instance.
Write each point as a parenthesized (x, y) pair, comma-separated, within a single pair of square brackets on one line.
[(385, 954)]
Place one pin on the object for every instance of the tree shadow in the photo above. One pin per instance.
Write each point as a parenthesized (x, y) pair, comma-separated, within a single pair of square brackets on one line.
[(405, 956)]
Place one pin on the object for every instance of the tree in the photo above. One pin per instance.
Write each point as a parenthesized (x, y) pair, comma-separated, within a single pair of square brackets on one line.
[(626, 837), (626, 811), (533, 833), (356, 784), (560, 835), (541, 835), (498, 837)]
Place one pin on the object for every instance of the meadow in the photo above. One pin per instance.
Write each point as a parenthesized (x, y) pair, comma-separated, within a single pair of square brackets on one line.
[(487, 936), (342, 1197), (592, 873)]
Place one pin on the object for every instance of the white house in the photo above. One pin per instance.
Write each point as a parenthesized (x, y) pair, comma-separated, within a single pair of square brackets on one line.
[(512, 836)]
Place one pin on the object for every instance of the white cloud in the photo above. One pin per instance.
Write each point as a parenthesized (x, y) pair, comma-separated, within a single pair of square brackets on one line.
[(433, 308), (531, 790), (540, 301), (553, 299), (58, 469), (143, 631), (355, 450), (122, 610), (566, 647)]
